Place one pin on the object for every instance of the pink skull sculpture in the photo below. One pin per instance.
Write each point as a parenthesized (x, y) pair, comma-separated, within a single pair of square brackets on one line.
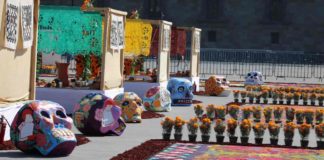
[(43, 126)]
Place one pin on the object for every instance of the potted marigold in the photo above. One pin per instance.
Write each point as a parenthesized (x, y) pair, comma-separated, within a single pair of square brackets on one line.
[(199, 111), (220, 112), (281, 97), (289, 97), (296, 98), (167, 125), (205, 129), (275, 96), (305, 98), (259, 129), (178, 125), (233, 110), (219, 129), (309, 116), (274, 130), (248, 88), (192, 126), (313, 98), (246, 112), (304, 130), (245, 128), (277, 112), (265, 95), (210, 111), (267, 112), (290, 114), (300, 116), (289, 132), (243, 96), (256, 110), (319, 130), (320, 99), (236, 94), (319, 116), (231, 128), (251, 96)]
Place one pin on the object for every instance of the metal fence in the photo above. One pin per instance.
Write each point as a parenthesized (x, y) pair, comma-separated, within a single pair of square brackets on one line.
[(238, 62)]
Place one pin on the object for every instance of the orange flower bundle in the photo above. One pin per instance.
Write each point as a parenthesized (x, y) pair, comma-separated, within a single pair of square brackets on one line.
[(267, 112), (319, 116), (273, 129), (192, 126), (219, 127), (277, 112), (198, 110), (167, 124), (210, 111), (257, 112), (304, 130), (245, 127), (220, 112), (289, 130), (205, 126), (178, 124), (233, 110), (259, 129), (236, 93), (319, 130), (231, 127), (246, 112)]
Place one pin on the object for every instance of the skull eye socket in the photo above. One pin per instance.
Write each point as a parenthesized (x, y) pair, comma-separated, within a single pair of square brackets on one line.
[(190, 88), (249, 74), (224, 79), (255, 74), (139, 103), (181, 89), (125, 103), (45, 114), (60, 114)]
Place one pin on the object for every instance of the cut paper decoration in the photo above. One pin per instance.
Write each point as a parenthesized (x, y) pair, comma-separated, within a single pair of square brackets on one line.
[(12, 24), (138, 36), (166, 38), (27, 20), (117, 32), (197, 41)]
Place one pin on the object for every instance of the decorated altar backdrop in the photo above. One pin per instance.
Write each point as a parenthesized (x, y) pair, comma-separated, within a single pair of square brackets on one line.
[(69, 30), (138, 37)]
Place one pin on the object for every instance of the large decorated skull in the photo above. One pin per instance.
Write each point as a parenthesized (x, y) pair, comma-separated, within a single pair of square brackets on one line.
[(97, 114), (157, 99), (132, 106), (254, 78), (181, 91), (44, 127), (217, 86)]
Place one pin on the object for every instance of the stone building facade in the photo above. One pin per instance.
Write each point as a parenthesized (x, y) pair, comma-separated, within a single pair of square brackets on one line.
[(296, 25)]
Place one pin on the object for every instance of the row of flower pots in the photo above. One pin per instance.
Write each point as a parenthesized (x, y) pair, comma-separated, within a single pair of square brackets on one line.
[(278, 113), (278, 97), (245, 127)]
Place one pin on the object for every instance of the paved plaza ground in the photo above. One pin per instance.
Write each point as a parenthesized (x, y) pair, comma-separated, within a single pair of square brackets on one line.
[(106, 147)]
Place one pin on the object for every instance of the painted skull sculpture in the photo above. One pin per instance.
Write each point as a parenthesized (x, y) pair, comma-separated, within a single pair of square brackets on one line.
[(254, 78), (132, 106), (97, 114), (43, 126), (181, 91), (217, 86), (157, 99)]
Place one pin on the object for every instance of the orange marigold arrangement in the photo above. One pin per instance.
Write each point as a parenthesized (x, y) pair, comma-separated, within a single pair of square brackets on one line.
[(267, 112), (304, 130), (219, 127), (257, 113), (231, 127), (277, 112), (178, 125), (233, 110), (220, 112), (236, 94), (210, 111), (192, 126), (319, 130), (167, 125), (290, 114), (245, 127), (300, 116), (259, 129), (199, 110), (289, 130), (205, 126), (273, 130), (319, 113), (246, 112)]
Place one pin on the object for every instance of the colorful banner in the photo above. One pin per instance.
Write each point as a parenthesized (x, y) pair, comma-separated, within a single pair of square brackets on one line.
[(12, 24), (27, 21), (137, 37)]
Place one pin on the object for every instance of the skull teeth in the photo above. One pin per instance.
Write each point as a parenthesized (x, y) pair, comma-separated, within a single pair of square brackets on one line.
[(62, 132)]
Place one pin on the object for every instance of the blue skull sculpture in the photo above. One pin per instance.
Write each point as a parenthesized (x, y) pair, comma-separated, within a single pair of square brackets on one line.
[(181, 91), (253, 78)]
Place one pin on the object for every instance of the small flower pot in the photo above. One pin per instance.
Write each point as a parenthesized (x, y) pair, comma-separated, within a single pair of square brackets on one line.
[(250, 100), (236, 100), (243, 100), (244, 140), (192, 137), (265, 101), (320, 144), (281, 102), (288, 102), (312, 103), (295, 102), (274, 102), (305, 103), (258, 141), (273, 141), (304, 143), (257, 101), (205, 138), (220, 139), (288, 142), (233, 140), (177, 137), (166, 136)]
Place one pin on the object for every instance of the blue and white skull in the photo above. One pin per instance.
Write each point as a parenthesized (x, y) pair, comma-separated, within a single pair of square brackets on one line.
[(181, 91), (254, 78)]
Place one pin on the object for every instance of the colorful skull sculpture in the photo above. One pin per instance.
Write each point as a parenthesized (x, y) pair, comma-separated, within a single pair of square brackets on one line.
[(44, 127), (97, 114), (217, 86), (181, 91), (254, 78), (132, 106), (157, 99)]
